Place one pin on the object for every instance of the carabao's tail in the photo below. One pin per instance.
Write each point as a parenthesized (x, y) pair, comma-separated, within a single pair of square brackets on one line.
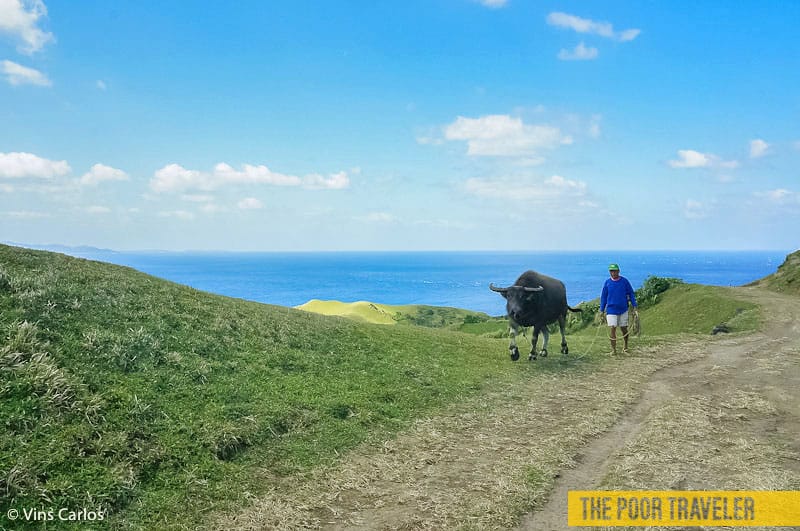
[(570, 308)]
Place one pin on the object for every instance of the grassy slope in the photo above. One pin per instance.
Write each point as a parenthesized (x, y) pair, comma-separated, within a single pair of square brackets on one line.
[(160, 402), (370, 312), (156, 401), (787, 278)]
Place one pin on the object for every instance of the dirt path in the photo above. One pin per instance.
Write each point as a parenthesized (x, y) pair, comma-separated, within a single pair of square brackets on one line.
[(714, 413), (762, 367)]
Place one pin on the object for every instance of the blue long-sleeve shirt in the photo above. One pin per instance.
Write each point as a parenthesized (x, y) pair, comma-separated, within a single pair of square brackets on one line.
[(614, 299)]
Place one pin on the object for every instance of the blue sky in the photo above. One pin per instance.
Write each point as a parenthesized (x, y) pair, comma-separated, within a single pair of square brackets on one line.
[(414, 125)]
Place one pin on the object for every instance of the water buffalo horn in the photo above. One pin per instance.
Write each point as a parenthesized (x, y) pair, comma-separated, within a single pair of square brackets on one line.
[(495, 288), (538, 288)]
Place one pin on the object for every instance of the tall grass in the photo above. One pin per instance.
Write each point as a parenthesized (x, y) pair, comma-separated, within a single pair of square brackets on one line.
[(158, 403)]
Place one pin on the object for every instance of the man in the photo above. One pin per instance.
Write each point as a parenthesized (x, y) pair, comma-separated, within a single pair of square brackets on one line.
[(617, 291)]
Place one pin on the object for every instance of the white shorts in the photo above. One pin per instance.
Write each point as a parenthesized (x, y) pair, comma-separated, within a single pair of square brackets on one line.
[(617, 320)]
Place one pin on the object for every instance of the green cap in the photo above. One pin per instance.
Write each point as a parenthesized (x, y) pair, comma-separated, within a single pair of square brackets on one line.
[(613, 267)]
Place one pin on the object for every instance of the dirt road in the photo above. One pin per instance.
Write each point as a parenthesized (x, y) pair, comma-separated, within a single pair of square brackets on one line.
[(691, 413), (747, 391)]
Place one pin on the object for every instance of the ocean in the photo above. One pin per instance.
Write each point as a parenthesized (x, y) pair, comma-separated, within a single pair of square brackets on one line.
[(456, 279)]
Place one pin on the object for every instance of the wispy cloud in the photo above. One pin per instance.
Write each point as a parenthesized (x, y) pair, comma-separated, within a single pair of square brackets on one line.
[(17, 74), (585, 25), (580, 53), (495, 4), (23, 165), (102, 173), (780, 196), (758, 148), (198, 198), (689, 158), (96, 209), (21, 20), (100, 84), (378, 218), (176, 178), (249, 203), (178, 214), (527, 189), (27, 214), (695, 210), (504, 136), (337, 181)]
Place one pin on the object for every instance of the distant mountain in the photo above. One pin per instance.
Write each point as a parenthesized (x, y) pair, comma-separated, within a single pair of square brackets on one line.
[(64, 249)]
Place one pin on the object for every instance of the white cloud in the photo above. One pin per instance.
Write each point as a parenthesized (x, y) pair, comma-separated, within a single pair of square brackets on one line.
[(180, 214), (21, 165), (250, 174), (579, 53), (101, 84), (98, 210), (211, 208), (584, 25), (249, 203), (22, 75), (758, 148), (379, 217), (176, 178), (694, 210), (429, 141), (797, 145), (198, 198), (27, 214), (337, 181), (101, 173), (780, 196), (493, 3), (20, 19), (689, 158), (526, 189), (501, 135), (594, 126)]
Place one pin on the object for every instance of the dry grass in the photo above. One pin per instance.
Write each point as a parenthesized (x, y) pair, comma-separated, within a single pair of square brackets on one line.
[(479, 466), (728, 438)]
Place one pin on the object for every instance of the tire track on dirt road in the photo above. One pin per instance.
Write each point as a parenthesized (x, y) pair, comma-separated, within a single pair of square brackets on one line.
[(721, 366)]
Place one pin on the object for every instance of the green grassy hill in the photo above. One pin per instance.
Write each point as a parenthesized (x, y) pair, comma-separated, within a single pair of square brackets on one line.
[(412, 314), (160, 403), (787, 278)]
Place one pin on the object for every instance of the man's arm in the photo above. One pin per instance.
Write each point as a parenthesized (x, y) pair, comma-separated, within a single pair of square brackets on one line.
[(632, 295), (604, 298)]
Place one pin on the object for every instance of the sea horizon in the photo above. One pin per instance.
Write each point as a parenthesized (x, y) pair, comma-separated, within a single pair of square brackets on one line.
[(457, 279)]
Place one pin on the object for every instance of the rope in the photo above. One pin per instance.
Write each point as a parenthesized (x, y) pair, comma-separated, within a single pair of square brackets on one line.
[(634, 329)]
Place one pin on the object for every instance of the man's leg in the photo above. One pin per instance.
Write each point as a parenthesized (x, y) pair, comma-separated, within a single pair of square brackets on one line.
[(613, 336), (613, 321), (623, 325)]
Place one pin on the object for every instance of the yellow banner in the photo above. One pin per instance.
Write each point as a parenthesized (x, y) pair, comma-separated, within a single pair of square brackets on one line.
[(733, 508)]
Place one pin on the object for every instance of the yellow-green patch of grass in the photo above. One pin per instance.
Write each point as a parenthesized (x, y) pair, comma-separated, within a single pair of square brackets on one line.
[(409, 314), (361, 310)]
